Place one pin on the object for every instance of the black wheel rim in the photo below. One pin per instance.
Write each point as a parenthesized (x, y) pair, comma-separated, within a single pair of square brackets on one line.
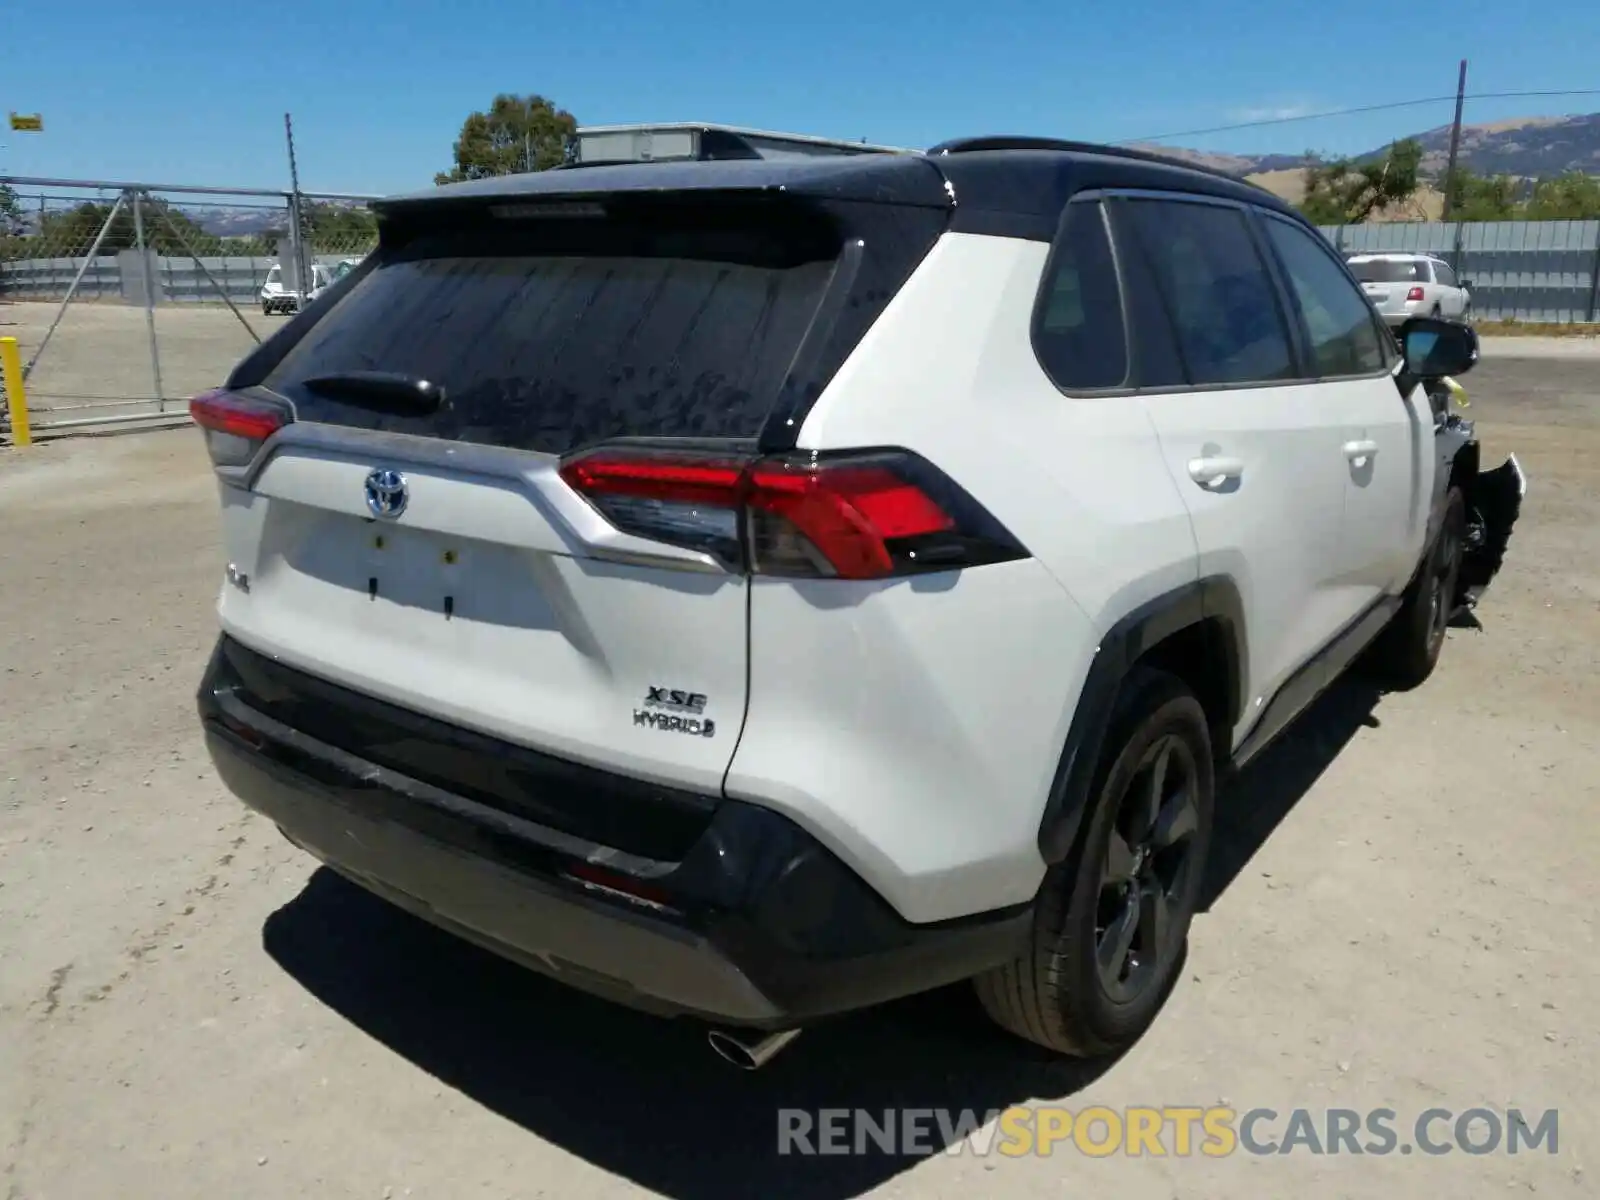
[(1442, 584), (1145, 877)]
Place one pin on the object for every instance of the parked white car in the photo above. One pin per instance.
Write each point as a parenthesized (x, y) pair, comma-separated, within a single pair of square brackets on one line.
[(1412, 285), (275, 297)]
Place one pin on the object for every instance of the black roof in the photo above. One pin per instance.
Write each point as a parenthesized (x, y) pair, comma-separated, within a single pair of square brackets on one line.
[(1002, 185)]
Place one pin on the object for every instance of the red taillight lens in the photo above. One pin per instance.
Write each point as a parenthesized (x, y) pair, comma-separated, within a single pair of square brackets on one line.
[(615, 883), (1414, 294), (685, 500), (856, 516), (235, 425), (850, 514)]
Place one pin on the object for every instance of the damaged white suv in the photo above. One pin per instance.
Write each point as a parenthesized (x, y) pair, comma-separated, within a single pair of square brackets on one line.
[(754, 590)]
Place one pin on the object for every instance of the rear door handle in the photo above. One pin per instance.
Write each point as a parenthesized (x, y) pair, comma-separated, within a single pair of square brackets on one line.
[(1359, 452), (1215, 472)]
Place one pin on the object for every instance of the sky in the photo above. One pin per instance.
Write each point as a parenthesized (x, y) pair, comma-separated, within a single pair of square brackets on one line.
[(178, 91)]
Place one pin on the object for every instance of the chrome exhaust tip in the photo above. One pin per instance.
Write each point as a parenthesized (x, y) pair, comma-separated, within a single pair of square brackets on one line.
[(749, 1052)]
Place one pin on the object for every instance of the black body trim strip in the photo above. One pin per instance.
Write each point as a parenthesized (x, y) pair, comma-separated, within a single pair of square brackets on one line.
[(1314, 677)]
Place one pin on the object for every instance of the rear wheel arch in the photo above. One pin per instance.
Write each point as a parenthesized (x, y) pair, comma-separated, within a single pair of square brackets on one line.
[(1195, 632)]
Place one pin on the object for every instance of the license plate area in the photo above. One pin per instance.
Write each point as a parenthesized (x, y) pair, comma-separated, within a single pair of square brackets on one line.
[(447, 577)]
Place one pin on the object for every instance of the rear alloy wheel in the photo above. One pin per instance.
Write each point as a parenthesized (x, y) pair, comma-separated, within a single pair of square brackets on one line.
[(1111, 921), (1408, 650)]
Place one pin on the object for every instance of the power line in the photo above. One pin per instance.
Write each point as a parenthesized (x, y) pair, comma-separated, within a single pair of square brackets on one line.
[(1365, 108)]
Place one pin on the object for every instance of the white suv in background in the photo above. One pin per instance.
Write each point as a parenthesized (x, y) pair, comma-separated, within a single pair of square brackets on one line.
[(279, 297), (1402, 286), (755, 590)]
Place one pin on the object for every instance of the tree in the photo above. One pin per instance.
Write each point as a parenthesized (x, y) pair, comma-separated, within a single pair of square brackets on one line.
[(1345, 192), (517, 134), (1484, 197), (339, 227), (1571, 197), (11, 219), (71, 232)]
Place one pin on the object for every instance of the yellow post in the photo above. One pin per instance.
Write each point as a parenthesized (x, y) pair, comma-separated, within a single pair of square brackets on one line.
[(16, 398)]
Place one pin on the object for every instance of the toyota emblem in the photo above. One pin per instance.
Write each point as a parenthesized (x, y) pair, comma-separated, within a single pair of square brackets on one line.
[(386, 493)]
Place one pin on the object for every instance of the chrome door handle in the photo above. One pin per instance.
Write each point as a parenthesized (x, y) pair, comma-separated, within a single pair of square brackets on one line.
[(1359, 452), (1215, 472)]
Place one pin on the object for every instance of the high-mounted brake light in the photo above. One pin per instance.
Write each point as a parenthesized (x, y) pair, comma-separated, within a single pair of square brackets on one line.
[(235, 425), (1415, 293), (853, 516)]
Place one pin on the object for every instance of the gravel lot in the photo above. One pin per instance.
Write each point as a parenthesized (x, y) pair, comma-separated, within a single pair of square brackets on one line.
[(1401, 916)]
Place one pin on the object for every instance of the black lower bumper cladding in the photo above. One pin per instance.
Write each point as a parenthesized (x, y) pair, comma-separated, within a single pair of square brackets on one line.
[(755, 923)]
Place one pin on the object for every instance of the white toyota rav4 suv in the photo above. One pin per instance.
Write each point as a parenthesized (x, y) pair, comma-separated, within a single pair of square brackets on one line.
[(756, 590)]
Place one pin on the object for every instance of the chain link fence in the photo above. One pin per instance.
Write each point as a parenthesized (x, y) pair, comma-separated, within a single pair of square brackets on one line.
[(126, 299)]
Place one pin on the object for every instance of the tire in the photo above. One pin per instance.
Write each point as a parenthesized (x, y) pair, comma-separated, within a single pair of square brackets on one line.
[(1056, 994), (266, 309), (1406, 653)]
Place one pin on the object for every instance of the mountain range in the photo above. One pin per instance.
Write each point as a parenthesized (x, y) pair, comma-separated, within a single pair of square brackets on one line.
[(1529, 147)]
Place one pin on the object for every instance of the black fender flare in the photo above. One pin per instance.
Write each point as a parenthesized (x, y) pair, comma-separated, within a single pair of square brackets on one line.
[(1215, 600)]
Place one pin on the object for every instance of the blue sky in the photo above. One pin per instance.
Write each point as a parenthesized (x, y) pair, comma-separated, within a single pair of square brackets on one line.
[(181, 91)]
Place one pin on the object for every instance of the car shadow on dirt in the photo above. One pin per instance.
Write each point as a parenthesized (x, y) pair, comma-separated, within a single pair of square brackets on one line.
[(1253, 803), (647, 1099)]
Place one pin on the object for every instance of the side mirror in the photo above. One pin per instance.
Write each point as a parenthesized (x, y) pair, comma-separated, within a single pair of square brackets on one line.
[(1466, 285), (1433, 348)]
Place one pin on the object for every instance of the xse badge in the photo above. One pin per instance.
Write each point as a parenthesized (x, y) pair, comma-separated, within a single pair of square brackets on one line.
[(665, 708)]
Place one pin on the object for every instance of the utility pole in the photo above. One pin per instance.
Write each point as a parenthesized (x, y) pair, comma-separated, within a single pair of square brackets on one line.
[(1455, 144), (295, 231)]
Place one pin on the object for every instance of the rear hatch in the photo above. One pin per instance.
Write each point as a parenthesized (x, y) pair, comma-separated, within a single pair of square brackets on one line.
[(1388, 282), (410, 534)]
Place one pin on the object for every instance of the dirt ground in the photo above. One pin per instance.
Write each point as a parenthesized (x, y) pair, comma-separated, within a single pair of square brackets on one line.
[(1401, 915), (97, 362)]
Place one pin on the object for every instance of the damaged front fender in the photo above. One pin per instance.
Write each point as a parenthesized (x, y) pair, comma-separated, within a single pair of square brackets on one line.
[(1493, 497), (1494, 502)]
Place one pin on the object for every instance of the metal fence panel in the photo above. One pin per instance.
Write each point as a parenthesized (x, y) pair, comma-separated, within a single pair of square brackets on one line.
[(1534, 271), (127, 299)]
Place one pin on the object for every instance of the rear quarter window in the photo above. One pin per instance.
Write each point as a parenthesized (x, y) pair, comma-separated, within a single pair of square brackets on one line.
[(1078, 331)]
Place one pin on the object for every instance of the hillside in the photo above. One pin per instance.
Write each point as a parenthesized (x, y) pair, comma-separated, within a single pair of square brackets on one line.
[(1532, 147)]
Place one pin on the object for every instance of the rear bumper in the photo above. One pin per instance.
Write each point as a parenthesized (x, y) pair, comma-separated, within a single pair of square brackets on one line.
[(757, 924)]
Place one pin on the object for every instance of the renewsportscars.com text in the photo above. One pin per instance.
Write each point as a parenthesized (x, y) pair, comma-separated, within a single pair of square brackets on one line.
[(1166, 1131)]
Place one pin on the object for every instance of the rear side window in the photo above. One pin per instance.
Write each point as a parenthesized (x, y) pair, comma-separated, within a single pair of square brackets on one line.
[(552, 335), (1218, 292), (1338, 317), (1078, 332)]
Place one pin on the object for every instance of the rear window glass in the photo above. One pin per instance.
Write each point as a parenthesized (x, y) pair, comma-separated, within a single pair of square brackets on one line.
[(553, 343), (1388, 270)]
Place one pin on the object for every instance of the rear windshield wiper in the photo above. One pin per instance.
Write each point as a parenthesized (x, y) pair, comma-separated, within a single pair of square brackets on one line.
[(384, 391)]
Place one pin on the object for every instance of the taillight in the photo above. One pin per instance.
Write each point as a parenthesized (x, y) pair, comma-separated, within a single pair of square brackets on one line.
[(1414, 294), (235, 425), (851, 516)]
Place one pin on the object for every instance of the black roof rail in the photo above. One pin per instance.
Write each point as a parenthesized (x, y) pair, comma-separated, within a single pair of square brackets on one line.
[(973, 145)]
